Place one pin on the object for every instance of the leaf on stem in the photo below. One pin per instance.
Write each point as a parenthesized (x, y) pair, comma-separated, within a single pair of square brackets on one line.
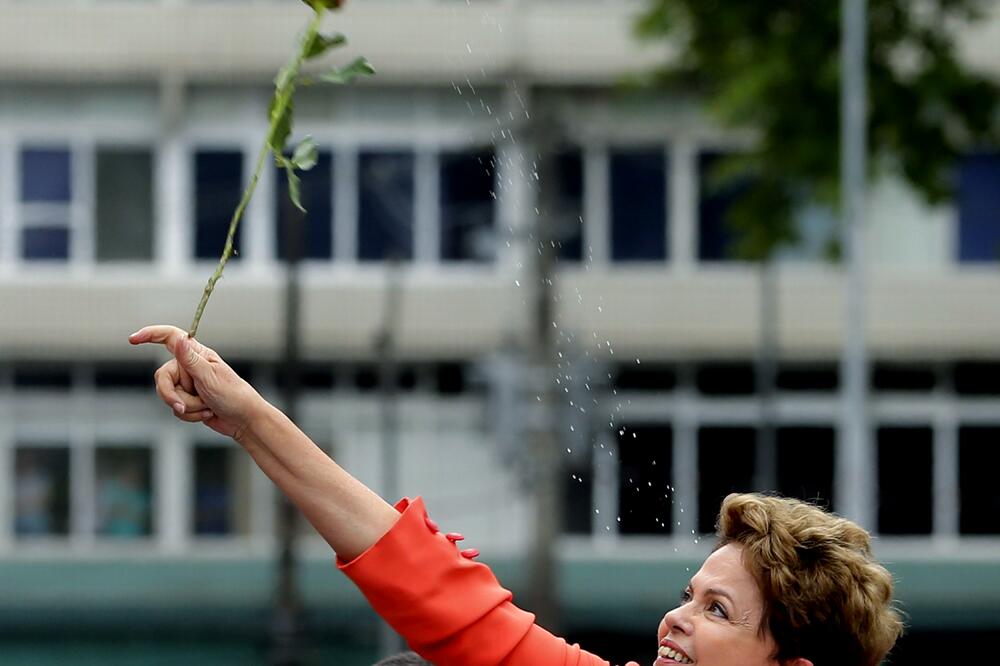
[(323, 43), (306, 154), (281, 124), (293, 187), (339, 75)]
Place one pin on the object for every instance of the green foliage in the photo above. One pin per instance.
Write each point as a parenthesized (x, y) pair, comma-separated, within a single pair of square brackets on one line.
[(339, 75), (774, 67)]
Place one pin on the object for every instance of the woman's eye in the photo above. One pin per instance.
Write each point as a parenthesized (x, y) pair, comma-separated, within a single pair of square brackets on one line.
[(685, 596), (717, 609)]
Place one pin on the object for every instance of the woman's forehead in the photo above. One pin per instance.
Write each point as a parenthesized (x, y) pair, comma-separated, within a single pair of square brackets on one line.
[(724, 570)]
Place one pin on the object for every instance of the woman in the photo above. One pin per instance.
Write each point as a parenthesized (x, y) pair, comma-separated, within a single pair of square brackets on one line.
[(787, 584)]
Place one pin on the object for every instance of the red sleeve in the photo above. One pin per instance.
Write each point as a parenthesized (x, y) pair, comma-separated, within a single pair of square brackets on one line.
[(451, 610)]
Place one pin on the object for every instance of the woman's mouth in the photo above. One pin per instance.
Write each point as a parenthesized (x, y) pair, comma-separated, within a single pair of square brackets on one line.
[(671, 653)]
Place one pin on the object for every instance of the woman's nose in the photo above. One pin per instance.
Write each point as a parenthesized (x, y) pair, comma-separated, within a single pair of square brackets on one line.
[(678, 619)]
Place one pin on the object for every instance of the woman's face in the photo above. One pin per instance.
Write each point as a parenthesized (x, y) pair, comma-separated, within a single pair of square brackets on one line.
[(718, 619)]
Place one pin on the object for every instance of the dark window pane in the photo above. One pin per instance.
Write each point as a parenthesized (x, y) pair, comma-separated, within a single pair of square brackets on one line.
[(317, 198), (314, 376), (903, 377), (124, 207), (569, 209), (725, 378), (45, 176), (450, 378), (977, 378), (385, 215), (715, 197), (805, 464), (115, 376), (221, 491), (42, 376), (578, 496), (905, 480), (41, 491), (467, 202), (645, 495), (638, 205), (124, 492), (725, 465), (979, 208), (645, 377), (366, 377), (45, 243), (807, 377), (218, 188), (978, 462)]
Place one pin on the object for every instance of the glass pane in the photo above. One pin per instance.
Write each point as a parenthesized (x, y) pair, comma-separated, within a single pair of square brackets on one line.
[(52, 375), (218, 188), (221, 491), (578, 498), (645, 495), (903, 377), (905, 480), (805, 464), (385, 215), (715, 236), (45, 175), (316, 191), (725, 465), (638, 205), (41, 491), (467, 200), (45, 243), (124, 492), (977, 378), (124, 207), (725, 378), (978, 461), (807, 377), (979, 208), (569, 214)]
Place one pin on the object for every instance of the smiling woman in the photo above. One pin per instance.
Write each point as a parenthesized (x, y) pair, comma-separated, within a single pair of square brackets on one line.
[(788, 584)]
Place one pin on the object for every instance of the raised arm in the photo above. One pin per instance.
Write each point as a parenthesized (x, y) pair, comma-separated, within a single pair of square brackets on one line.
[(200, 387)]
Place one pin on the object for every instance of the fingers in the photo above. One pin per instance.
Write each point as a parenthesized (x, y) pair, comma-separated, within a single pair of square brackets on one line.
[(189, 352), (168, 387), (158, 334)]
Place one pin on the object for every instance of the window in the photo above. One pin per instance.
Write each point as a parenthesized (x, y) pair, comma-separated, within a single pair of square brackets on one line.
[(385, 213), (638, 205), (805, 463), (221, 491), (124, 208), (645, 494), (578, 496), (46, 198), (977, 378), (123, 376), (725, 465), (317, 198), (645, 377), (568, 167), (41, 491), (123, 492), (979, 208), (806, 377), (218, 188), (905, 480), (978, 461), (467, 203), (725, 378), (715, 235), (43, 376), (903, 377)]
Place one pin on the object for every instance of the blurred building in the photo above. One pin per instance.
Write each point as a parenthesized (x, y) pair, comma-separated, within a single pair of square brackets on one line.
[(127, 133)]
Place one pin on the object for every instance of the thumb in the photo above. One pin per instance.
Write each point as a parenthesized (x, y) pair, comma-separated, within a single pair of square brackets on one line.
[(189, 358)]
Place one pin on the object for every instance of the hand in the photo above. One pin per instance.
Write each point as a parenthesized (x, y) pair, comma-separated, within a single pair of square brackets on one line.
[(198, 385)]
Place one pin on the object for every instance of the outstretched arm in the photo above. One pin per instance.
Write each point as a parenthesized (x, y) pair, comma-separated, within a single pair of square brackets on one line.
[(199, 386)]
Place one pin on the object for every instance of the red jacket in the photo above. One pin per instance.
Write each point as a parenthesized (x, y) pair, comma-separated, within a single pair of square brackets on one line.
[(451, 610)]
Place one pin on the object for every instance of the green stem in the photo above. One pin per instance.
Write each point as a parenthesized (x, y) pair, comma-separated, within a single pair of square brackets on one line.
[(284, 96)]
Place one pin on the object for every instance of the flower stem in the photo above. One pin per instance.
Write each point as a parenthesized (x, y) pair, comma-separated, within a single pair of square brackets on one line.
[(283, 97)]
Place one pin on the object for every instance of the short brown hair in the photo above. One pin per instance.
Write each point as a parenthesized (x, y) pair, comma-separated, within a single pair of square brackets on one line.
[(826, 598)]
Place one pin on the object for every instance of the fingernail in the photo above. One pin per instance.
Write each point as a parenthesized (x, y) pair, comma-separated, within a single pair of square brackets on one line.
[(136, 333), (179, 407)]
